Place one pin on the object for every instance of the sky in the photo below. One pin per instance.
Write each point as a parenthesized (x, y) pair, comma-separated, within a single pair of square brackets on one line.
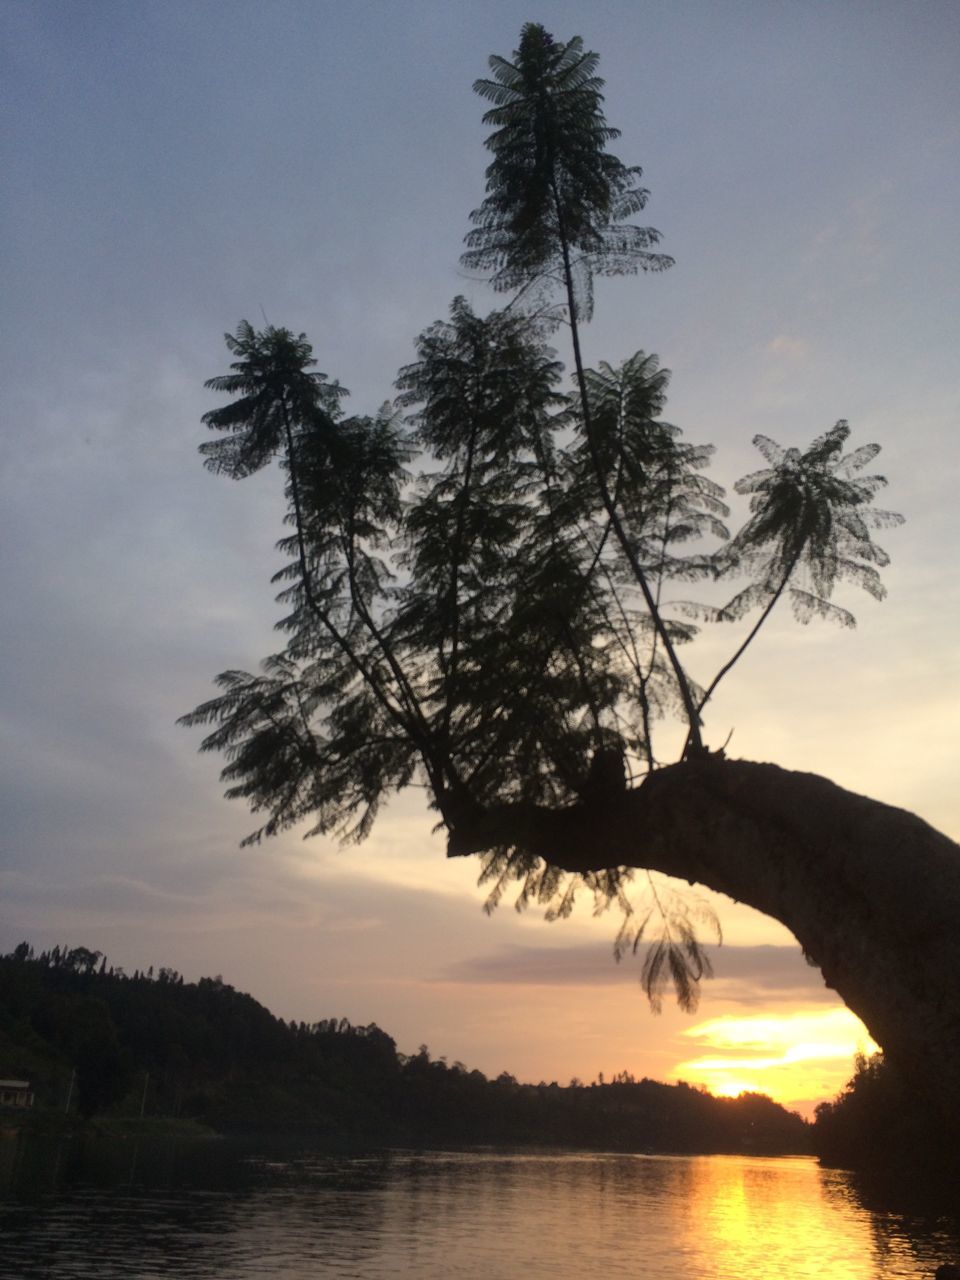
[(173, 168)]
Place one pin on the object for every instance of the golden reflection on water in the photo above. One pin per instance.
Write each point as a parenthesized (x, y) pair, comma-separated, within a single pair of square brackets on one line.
[(647, 1218), (773, 1219), (454, 1215)]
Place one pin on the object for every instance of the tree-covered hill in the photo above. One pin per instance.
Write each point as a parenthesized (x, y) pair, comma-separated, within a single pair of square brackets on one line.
[(94, 1039)]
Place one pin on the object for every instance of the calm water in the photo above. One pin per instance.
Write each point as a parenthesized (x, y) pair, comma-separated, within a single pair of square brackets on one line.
[(131, 1210)]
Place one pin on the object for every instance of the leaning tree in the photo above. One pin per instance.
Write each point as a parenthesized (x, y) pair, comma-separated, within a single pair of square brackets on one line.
[(479, 597)]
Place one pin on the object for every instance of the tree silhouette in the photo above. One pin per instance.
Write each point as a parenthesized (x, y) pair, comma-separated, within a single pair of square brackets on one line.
[(497, 626), (553, 194), (810, 519)]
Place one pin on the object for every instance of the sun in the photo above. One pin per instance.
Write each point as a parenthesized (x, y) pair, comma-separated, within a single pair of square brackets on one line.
[(730, 1087), (796, 1058)]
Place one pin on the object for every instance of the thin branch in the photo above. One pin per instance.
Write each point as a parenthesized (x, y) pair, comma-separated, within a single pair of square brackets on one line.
[(695, 741)]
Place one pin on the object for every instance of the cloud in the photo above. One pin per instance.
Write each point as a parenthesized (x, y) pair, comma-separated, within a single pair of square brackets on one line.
[(794, 1056), (795, 350), (747, 976), (801, 1034)]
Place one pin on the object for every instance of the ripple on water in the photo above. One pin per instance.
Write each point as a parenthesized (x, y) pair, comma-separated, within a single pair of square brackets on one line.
[(216, 1213)]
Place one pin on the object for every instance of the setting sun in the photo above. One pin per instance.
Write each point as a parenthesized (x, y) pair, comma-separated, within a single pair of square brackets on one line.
[(795, 1058)]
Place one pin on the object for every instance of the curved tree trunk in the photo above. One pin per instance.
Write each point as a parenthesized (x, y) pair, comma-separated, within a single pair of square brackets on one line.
[(872, 893)]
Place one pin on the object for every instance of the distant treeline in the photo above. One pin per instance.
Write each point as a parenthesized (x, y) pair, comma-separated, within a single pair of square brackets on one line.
[(93, 1039)]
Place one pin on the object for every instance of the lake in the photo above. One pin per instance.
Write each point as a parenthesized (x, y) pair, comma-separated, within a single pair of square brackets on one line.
[(85, 1209)]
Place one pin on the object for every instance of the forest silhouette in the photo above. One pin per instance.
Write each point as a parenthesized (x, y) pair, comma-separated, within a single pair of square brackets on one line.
[(117, 1045)]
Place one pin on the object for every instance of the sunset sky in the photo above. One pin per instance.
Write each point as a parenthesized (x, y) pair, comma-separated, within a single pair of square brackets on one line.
[(171, 168)]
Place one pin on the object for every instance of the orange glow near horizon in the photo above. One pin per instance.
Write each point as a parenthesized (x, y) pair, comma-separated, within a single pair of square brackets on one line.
[(796, 1058)]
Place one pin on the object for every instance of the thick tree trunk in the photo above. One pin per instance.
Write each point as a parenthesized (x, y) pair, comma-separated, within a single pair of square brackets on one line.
[(872, 893)]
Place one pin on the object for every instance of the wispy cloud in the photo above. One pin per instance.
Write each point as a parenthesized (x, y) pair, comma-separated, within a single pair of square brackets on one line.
[(747, 975), (793, 1056)]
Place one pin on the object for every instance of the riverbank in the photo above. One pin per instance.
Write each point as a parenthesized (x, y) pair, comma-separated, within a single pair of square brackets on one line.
[(43, 1122)]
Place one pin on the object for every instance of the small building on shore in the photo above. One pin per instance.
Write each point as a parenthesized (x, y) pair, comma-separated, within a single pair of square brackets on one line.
[(16, 1094)]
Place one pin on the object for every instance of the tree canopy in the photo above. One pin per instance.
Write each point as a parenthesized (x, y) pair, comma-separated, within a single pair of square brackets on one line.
[(490, 582), (91, 1038)]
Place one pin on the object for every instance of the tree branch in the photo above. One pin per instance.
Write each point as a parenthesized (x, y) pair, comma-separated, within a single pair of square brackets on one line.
[(871, 892)]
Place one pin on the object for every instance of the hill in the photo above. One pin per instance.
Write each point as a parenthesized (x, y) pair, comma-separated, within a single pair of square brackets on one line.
[(94, 1040)]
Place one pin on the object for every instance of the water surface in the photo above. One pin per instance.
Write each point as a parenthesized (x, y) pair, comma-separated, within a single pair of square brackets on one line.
[(79, 1210)]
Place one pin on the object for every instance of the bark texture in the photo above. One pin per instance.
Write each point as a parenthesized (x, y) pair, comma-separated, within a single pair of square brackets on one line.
[(871, 892)]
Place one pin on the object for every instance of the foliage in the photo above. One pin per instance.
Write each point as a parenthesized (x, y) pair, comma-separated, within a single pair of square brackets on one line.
[(279, 393), (479, 580), (880, 1120), (809, 528), (206, 1052), (810, 514), (553, 189)]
